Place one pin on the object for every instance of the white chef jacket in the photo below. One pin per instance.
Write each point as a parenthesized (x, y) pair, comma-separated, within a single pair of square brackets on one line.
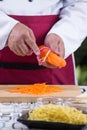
[(72, 27)]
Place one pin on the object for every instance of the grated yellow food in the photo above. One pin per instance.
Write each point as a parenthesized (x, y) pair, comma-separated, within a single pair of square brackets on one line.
[(58, 113)]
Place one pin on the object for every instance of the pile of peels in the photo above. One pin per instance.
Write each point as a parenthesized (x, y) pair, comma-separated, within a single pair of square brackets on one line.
[(36, 89)]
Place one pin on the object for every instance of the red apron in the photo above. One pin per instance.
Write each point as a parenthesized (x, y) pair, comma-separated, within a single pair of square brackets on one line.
[(25, 70)]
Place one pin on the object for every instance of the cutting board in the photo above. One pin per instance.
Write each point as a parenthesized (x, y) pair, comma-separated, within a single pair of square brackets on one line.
[(69, 91)]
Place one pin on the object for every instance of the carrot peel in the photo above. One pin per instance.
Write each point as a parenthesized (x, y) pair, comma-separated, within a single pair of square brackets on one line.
[(36, 89)]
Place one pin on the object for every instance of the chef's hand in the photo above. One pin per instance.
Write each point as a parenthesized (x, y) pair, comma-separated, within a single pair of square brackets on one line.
[(54, 42), (22, 41)]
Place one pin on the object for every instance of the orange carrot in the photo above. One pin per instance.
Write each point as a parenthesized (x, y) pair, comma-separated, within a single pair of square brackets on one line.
[(36, 89), (51, 57)]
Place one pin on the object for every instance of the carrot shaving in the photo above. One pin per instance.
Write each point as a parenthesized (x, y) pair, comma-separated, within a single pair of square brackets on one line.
[(47, 55), (36, 89)]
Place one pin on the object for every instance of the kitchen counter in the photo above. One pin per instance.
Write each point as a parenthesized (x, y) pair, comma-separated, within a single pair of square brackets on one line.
[(9, 112)]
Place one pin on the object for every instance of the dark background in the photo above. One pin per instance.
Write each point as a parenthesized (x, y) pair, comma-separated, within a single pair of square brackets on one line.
[(81, 63)]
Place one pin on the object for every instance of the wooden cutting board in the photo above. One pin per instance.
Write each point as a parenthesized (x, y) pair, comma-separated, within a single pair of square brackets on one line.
[(69, 91)]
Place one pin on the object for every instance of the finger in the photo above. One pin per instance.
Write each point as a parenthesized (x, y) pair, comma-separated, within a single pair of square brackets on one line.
[(32, 35), (61, 49), (30, 41), (17, 50), (24, 49), (33, 46), (30, 52)]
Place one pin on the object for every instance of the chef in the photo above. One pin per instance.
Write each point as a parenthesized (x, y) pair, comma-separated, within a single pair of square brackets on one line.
[(26, 24)]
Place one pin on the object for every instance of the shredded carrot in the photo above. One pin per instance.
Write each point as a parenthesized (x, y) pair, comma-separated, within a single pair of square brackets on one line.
[(52, 58), (36, 89)]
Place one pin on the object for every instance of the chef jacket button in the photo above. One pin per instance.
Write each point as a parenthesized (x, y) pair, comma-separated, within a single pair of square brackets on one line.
[(30, 0)]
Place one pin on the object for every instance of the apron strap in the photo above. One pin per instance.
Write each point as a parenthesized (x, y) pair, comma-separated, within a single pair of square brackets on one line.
[(20, 66)]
